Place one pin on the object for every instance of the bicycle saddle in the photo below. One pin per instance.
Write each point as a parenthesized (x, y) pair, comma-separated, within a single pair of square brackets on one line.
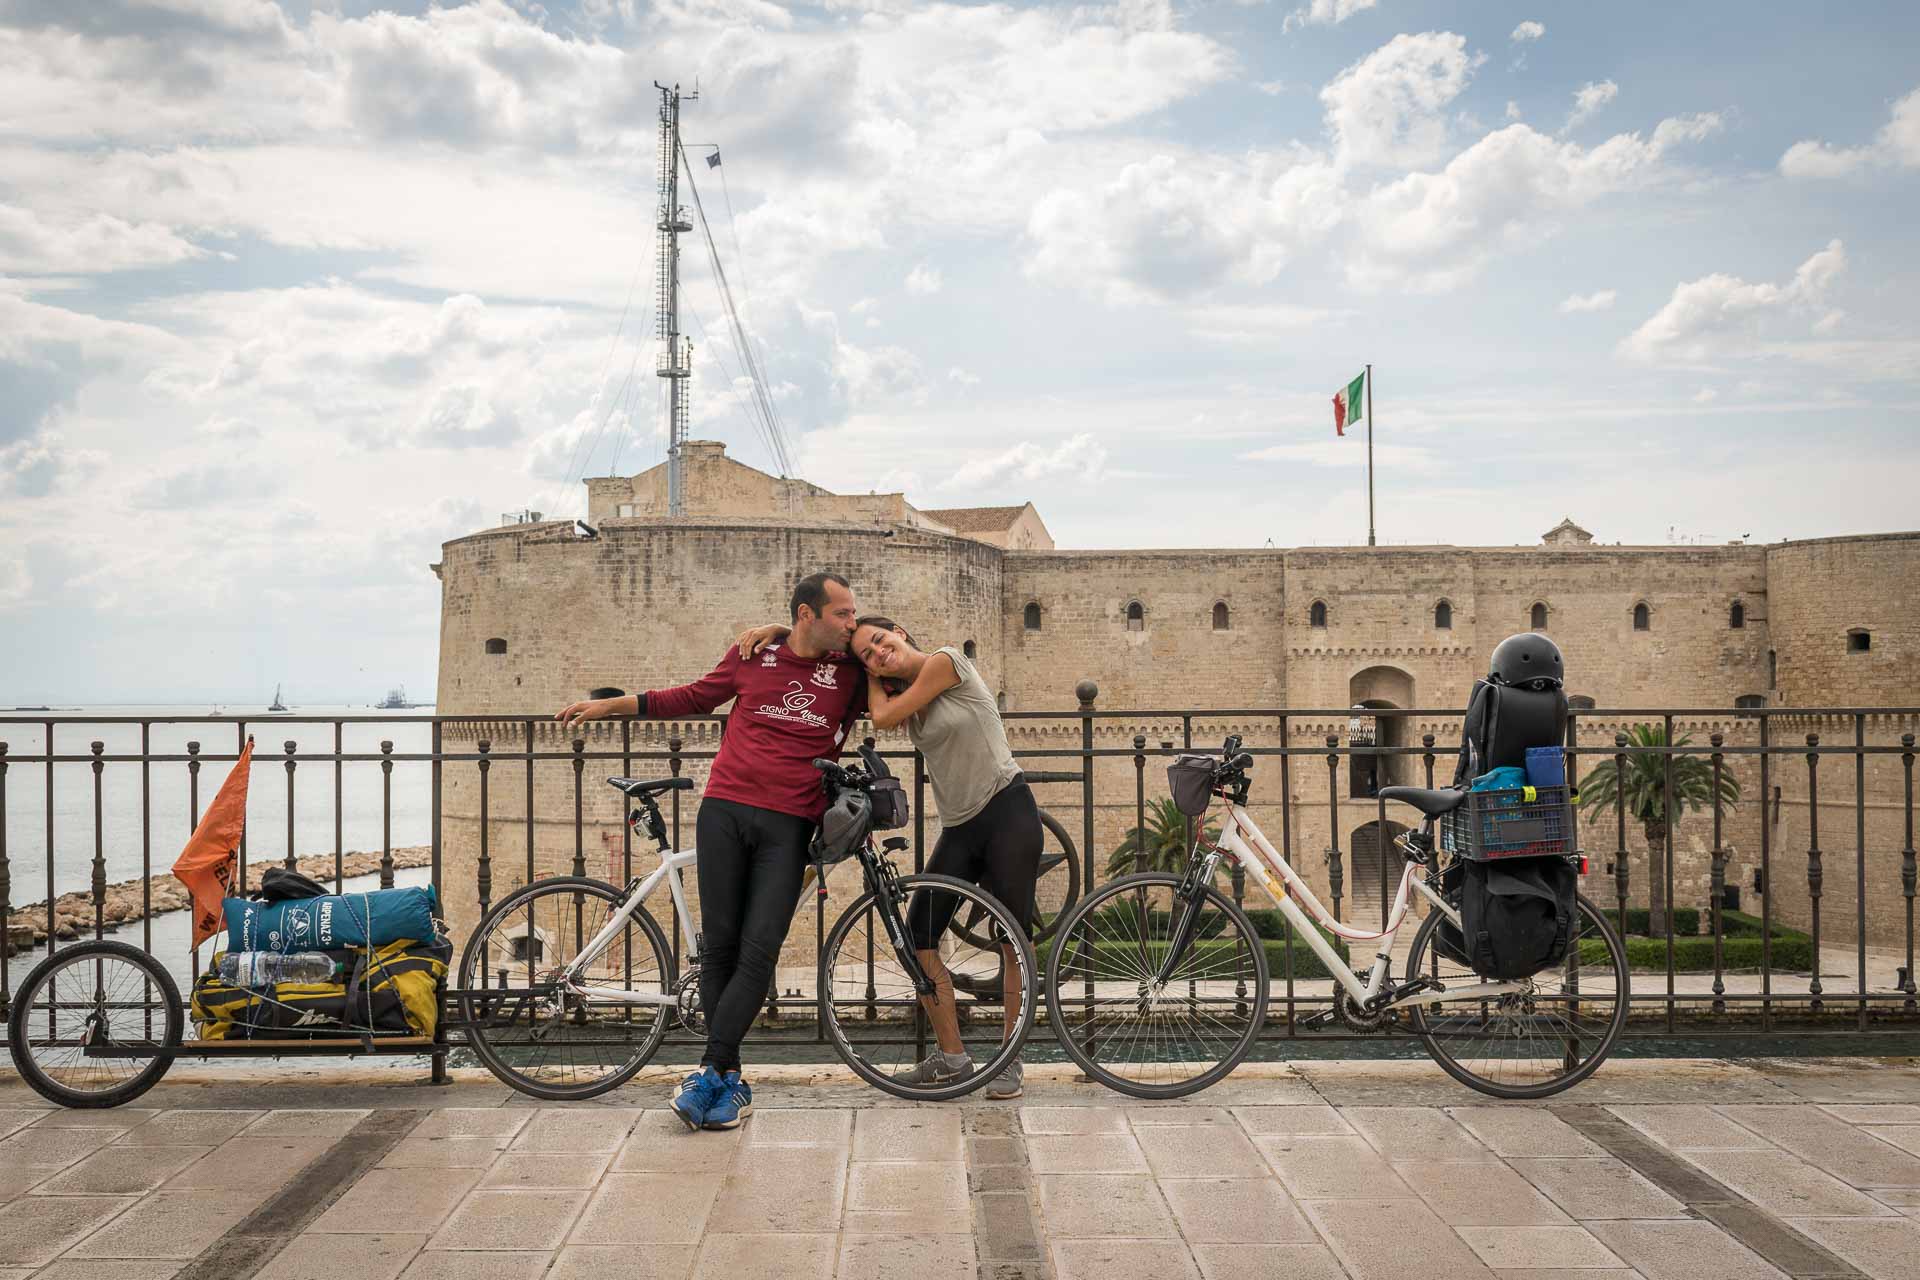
[(1431, 801), (647, 786)]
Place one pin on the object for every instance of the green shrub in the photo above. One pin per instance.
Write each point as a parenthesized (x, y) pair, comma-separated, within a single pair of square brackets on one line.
[(1686, 921), (1740, 948)]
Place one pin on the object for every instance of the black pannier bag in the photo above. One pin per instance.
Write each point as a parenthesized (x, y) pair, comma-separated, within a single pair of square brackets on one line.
[(1516, 916), (1190, 780), (888, 799)]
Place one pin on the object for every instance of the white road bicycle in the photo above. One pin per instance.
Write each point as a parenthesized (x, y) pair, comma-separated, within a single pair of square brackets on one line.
[(1159, 983), (568, 986)]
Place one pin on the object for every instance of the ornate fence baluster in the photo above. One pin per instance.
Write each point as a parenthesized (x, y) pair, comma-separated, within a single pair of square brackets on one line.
[(193, 820), (1860, 858), (1907, 867), (1814, 873), (291, 862), (484, 873), (6, 895), (579, 831), (99, 848), (386, 813), (1335, 877), (1719, 873), (1621, 875)]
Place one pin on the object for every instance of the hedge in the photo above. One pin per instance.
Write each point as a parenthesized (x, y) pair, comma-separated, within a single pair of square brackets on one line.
[(1272, 927), (1686, 920)]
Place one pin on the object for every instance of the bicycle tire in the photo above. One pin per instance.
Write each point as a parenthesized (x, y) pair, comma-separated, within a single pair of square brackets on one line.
[(20, 1042), (859, 1063), (1423, 1021), (490, 1053), (1067, 942), (1069, 866)]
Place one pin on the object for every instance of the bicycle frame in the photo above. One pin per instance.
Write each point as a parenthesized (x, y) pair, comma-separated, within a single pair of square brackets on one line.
[(671, 863), (1241, 837)]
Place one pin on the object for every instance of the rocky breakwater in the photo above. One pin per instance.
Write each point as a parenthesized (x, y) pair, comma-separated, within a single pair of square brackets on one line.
[(125, 903)]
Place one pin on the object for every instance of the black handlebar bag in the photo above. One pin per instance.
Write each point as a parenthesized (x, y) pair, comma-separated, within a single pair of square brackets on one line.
[(888, 799), (1190, 780), (843, 827)]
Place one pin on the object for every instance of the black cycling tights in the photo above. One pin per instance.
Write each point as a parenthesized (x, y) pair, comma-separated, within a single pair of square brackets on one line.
[(997, 849), (751, 863)]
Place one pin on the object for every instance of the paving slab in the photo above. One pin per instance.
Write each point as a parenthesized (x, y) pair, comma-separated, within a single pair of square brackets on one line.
[(1104, 1205), (203, 1128), (1123, 1260), (1568, 1247), (449, 1264), (1589, 1189), (1182, 1112), (648, 1208), (907, 1198), (387, 1201), (1312, 1119), (473, 1122), (1523, 1131), (1689, 1250), (120, 1171), (15, 1118), (544, 1170), (381, 1256), (590, 1131), (121, 1118), (444, 1153), (1202, 1151), (1843, 1080), (1785, 1187), (627, 1261), (759, 1256), (1393, 1239), (168, 1224), (916, 1133), (307, 1122), (1885, 1249), (1830, 1143), (1479, 1195), (798, 1127), (1874, 1112), (104, 1269), (1333, 1168), (1691, 1127), (1073, 1120), (511, 1220), (1236, 1211), (1266, 1261), (36, 1238), (1086, 1153), (660, 1143), (882, 1257), (797, 1189), (259, 1166), (52, 1148), (1415, 1133)]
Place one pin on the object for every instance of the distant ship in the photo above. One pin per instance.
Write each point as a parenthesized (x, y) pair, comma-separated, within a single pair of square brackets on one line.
[(396, 700), (277, 705)]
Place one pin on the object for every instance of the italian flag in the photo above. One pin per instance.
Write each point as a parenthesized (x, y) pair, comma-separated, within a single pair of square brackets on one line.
[(1349, 404)]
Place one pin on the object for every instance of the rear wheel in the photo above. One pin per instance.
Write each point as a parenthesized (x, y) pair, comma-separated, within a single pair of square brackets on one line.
[(1141, 1036), (1549, 1036), (554, 1043), (1056, 887), (94, 1025)]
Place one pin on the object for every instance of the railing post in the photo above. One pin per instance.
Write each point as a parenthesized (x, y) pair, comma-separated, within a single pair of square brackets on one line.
[(6, 892), (291, 863), (386, 813), (1086, 691), (437, 1073), (579, 828), (1814, 873), (673, 767), (484, 876), (1719, 880), (1907, 867), (193, 820), (1621, 874), (1335, 877), (1426, 757), (99, 848), (1766, 875), (1860, 858), (339, 819), (529, 809), (1666, 854), (1140, 803)]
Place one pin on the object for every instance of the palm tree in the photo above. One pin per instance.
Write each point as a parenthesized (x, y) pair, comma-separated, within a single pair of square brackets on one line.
[(1164, 839), (1641, 789)]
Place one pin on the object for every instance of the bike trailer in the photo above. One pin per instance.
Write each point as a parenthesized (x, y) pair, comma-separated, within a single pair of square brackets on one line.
[(390, 990), (373, 918)]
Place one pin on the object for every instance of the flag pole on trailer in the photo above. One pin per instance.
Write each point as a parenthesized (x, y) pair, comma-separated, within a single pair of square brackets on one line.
[(1370, 541)]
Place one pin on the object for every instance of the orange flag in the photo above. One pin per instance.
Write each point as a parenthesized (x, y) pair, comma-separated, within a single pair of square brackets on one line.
[(206, 865)]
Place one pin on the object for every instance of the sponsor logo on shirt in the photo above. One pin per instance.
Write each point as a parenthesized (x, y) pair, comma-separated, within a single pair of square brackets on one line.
[(823, 675), (795, 707), (766, 655)]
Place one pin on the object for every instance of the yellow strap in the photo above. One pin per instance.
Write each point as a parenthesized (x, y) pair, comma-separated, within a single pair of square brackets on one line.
[(1529, 795)]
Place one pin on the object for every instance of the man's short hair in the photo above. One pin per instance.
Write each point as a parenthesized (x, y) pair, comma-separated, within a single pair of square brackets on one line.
[(811, 591)]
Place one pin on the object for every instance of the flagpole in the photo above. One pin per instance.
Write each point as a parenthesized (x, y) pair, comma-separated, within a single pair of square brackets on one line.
[(1370, 541)]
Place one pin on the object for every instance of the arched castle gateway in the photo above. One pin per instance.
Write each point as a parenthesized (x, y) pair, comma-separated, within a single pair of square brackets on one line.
[(533, 616)]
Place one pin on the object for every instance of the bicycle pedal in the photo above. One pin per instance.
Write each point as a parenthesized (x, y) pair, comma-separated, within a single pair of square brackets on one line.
[(1325, 1018)]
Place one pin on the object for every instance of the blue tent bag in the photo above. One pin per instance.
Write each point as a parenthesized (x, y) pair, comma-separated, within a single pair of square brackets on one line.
[(334, 922)]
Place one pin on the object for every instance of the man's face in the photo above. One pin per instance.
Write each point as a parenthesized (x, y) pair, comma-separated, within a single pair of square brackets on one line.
[(832, 627)]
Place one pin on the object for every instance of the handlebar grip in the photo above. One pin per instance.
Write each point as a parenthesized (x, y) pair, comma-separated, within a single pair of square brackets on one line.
[(825, 765), (1242, 761)]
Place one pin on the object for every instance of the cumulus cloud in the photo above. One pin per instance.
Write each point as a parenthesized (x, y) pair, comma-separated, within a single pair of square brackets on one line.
[(208, 487), (1896, 145), (1389, 108), (1527, 31), (1600, 300), (1326, 13), (1721, 314), (34, 466), (32, 240), (1079, 457), (1588, 100), (923, 280), (465, 417)]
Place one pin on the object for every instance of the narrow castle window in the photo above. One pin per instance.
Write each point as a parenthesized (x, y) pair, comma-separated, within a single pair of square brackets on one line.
[(496, 645), (1750, 701), (1033, 617), (1443, 616), (967, 649), (1136, 617), (1642, 618), (1859, 640), (1317, 616), (1538, 620), (1737, 616), (1221, 620), (1773, 670)]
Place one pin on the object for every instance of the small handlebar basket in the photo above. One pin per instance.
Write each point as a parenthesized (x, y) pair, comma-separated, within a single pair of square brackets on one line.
[(843, 826), (1190, 779)]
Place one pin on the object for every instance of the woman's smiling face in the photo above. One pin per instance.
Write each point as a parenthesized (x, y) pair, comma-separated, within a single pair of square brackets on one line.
[(882, 652)]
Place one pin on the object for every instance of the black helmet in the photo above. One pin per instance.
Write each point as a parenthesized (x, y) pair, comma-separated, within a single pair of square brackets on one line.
[(1528, 661)]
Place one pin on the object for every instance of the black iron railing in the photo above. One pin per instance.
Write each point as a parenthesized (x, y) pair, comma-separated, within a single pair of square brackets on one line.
[(1684, 983)]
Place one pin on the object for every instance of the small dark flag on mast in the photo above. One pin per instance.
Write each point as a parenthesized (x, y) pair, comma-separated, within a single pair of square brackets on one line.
[(713, 158), (206, 865)]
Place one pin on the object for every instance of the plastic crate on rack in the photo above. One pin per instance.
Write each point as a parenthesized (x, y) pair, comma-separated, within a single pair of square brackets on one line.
[(1518, 822)]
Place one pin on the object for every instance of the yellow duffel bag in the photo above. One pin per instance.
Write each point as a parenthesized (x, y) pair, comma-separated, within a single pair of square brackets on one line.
[(387, 990)]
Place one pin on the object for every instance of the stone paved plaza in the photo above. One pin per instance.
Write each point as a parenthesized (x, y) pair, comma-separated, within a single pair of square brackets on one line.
[(1662, 1169)]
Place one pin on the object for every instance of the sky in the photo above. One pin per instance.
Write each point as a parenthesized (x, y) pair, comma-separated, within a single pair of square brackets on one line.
[(292, 293)]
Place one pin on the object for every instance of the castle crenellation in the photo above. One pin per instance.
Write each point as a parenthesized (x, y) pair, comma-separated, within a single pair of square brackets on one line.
[(533, 616)]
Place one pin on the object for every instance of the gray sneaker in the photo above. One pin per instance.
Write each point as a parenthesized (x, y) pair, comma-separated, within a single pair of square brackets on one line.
[(1008, 1083), (940, 1067)]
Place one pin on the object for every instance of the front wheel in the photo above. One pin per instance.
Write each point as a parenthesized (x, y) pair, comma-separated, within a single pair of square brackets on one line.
[(876, 1019), (1549, 1036), (95, 1025), (1140, 1034), (574, 1041)]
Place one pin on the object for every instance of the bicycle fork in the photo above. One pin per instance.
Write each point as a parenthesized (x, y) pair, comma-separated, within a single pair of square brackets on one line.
[(1191, 895)]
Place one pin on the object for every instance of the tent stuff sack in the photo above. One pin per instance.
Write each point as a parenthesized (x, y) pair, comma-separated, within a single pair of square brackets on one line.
[(1516, 917), (390, 991), (333, 922), (1190, 782)]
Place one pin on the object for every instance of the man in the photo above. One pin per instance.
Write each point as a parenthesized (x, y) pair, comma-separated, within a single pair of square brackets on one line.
[(793, 703)]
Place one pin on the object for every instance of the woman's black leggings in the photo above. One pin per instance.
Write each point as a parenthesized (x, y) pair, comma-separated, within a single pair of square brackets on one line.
[(751, 863), (997, 849)]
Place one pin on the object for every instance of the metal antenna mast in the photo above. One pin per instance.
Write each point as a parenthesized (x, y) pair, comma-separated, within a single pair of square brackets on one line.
[(676, 357)]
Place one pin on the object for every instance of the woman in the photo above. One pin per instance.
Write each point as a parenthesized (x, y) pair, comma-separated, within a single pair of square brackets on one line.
[(990, 830)]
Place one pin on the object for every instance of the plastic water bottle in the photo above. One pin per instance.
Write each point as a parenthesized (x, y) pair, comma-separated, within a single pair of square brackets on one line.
[(261, 969)]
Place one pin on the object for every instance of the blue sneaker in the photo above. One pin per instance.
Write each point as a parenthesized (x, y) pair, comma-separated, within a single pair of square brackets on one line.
[(734, 1104), (695, 1095)]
